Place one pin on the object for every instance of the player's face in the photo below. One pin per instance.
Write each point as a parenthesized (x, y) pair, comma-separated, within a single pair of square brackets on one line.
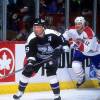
[(79, 26), (38, 30)]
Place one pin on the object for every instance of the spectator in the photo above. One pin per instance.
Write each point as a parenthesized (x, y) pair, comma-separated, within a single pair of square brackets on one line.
[(25, 30), (52, 7)]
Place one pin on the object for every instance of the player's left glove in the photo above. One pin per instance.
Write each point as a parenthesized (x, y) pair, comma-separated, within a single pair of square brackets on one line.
[(77, 44), (80, 45)]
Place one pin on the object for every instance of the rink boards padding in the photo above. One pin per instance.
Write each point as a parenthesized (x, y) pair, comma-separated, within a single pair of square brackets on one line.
[(12, 56), (38, 87)]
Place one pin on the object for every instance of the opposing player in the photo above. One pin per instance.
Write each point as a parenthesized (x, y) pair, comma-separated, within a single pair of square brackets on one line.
[(41, 44), (84, 42)]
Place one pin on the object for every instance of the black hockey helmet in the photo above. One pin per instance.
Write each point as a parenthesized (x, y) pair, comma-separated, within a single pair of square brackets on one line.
[(39, 21)]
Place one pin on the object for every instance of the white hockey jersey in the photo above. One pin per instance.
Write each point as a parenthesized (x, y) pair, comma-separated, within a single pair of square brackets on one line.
[(90, 45)]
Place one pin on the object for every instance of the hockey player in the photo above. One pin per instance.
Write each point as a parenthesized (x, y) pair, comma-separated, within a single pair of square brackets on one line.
[(82, 39), (41, 44)]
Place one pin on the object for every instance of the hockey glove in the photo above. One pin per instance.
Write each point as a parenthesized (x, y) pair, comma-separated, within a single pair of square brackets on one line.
[(77, 44), (29, 67)]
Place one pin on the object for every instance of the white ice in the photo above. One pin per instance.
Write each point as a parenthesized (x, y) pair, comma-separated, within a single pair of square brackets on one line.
[(71, 94)]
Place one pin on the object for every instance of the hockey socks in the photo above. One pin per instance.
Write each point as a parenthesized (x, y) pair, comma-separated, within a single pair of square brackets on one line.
[(55, 86), (21, 87), (56, 91)]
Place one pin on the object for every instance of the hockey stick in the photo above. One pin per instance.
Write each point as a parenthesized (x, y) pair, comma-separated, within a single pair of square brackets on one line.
[(39, 63), (66, 64)]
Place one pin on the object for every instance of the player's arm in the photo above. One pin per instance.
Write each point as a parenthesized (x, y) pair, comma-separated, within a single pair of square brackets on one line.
[(65, 44), (90, 41), (31, 50)]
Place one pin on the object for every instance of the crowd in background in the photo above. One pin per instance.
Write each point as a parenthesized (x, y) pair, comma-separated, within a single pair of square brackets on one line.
[(21, 13)]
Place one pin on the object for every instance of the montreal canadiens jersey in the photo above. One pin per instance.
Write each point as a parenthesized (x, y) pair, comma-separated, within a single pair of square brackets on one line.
[(87, 37), (42, 48)]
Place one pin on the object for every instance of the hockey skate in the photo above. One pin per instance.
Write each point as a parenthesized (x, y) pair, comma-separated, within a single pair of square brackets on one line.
[(59, 98), (17, 96), (82, 82)]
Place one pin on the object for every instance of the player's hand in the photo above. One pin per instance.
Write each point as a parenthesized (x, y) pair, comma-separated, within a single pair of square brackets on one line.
[(73, 45), (77, 45), (80, 45)]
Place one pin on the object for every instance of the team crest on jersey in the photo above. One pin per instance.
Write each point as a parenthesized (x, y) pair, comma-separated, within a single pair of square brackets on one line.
[(49, 38), (6, 63)]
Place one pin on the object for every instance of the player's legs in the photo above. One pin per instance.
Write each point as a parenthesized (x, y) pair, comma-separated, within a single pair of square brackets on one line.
[(54, 83), (95, 60), (79, 71), (77, 67), (21, 88), (26, 74)]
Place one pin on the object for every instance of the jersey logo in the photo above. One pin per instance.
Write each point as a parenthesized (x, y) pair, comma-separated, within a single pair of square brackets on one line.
[(27, 49), (49, 38)]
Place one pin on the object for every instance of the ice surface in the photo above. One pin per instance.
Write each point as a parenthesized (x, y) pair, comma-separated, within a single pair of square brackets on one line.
[(71, 94)]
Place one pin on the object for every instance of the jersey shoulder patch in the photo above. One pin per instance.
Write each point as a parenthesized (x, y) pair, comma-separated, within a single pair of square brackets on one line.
[(89, 32), (30, 37), (50, 31)]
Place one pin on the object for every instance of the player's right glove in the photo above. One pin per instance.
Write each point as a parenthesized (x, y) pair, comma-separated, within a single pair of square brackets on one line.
[(77, 44), (73, 45), (29, 67)]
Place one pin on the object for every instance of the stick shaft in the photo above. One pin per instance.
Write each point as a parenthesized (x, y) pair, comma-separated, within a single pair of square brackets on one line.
[(39, 63)]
